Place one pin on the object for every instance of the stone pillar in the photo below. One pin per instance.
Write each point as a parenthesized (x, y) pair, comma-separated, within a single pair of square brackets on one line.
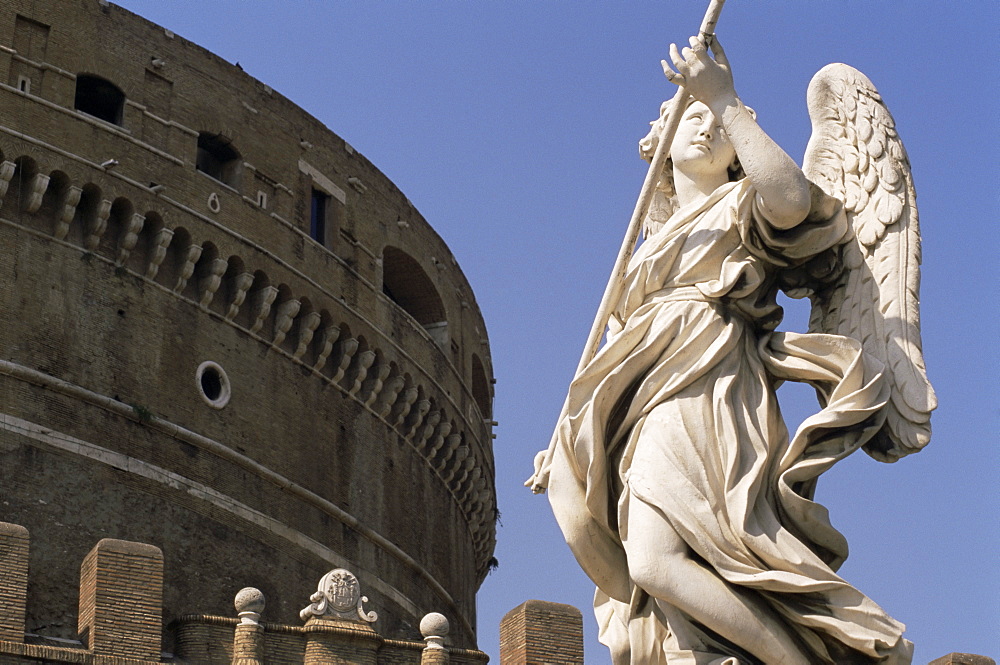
[(121, 596), (963, 659), (434, 628), (13, 581), (537, 632), (248, 643)]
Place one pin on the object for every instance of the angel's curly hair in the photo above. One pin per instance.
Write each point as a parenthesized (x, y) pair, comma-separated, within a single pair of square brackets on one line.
[(664, 202)]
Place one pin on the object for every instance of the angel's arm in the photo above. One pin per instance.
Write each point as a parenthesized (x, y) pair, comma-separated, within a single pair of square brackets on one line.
[(780, 183)]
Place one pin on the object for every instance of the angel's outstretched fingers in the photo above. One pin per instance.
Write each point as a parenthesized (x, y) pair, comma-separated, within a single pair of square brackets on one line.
[(671, 75), (720, 55), (678, 61)]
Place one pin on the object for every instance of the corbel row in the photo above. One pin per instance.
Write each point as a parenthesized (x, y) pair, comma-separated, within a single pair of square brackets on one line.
[(273, 315)]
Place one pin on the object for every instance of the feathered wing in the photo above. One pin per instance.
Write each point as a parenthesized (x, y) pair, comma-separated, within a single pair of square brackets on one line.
[(856, 156)]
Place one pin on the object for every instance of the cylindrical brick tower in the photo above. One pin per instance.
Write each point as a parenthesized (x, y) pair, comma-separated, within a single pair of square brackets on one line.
[(226, 334)]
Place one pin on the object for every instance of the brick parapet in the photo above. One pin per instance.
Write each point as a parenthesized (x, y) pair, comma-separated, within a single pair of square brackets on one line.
[(121, 595), (208, 640), (19, 653), (537, 632), (14, 546)]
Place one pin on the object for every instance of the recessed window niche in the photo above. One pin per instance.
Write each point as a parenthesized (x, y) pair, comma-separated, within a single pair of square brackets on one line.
[(213, 384)]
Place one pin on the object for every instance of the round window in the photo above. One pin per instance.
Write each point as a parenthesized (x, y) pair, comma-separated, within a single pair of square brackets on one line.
[(213, 384)]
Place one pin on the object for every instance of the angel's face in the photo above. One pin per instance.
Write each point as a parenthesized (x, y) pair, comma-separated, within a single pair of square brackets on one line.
[(700, 144)]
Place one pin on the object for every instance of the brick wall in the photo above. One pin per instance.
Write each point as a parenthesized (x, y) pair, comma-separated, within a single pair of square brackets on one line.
[(120, 599), (13, 581), (537, 632)]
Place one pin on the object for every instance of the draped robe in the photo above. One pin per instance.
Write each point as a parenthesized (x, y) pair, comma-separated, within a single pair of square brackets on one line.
[(678, 410)]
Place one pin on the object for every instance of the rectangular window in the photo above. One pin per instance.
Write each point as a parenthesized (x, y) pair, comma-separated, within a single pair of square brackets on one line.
[(317, 217)]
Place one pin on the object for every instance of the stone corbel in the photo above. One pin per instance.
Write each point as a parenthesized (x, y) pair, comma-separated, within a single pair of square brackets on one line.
[(329, 337), (388, 398), (307, 329), (348, 349), (452, 466), (480, 496), (129, 238), (35, 192), (6, 173), (377, 381), (404, 404), (243, 282), (427, 430), (439, 438), (283, 319), (464, 469), (210, 283), (464, 491), (468, 464), (416, 417), (190, 261), (263, 299), (451, 443), (362, 363), (98, 226), (159, 252), (69, 204)]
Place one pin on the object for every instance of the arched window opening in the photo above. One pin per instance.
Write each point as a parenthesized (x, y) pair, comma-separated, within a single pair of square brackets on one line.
[(218, 158), (481, 388), (100, 98), (407, 285)]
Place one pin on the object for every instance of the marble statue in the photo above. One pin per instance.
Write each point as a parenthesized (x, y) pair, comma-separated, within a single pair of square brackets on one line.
[(671, 472)]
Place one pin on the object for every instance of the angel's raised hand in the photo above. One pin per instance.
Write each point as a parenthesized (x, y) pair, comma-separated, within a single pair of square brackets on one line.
[(704, 78)]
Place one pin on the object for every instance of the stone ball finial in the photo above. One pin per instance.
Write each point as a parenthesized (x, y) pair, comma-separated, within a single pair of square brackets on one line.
[(249, 602), (434, 627)]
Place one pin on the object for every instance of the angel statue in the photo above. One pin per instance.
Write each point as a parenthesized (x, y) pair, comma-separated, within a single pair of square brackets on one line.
[(671, 472)]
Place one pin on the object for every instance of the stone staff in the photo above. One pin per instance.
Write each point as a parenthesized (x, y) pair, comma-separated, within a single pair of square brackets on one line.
[(613, 290)]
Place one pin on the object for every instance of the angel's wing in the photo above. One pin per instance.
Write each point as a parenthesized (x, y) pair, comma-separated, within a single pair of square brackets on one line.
[(855, 155)]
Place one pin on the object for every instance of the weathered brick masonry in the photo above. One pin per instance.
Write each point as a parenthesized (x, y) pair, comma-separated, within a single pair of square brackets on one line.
[(227, 335), (538, 632), (120, 591)]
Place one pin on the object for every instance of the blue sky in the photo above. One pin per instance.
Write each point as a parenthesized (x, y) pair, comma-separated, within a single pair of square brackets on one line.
[(512, 127)]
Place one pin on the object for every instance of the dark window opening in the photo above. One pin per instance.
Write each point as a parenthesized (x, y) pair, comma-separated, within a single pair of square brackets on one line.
[(481, 388), (100, 98), (317, 216), (406, 284), (217, 158), (211, 383)]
